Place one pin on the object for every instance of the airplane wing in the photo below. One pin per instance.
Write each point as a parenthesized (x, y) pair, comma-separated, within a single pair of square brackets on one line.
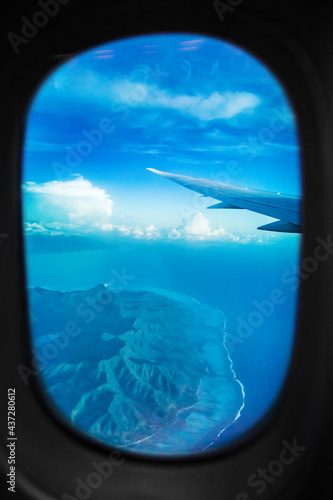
[(285, 208)]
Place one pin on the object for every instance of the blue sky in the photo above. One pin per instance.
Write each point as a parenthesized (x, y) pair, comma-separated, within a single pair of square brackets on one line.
[(181, 103)]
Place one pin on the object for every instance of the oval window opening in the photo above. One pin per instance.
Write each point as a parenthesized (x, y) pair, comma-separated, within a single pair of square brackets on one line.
[(161, 192)]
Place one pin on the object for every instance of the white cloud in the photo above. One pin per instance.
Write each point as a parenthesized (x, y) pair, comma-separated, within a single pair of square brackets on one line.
[(151, 232), (198, 228), (35, 228), (107, 227), (147, 233), (76, 202), (124, 230), (138, 232), (217, 105), (174, 234), (77, 207), (50, 229), (80, 194)]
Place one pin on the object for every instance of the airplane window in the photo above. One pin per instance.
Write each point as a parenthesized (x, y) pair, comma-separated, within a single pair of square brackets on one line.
[(161, 190)]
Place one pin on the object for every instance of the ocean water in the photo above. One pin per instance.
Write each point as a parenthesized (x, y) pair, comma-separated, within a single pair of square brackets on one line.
[(240, 280)]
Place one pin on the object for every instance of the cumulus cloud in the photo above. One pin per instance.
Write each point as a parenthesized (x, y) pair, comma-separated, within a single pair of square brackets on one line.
[(78, 207), (107, 227), (75, 202), (151, 232), (174, 234), (35, 228), (198, 228), (217, 105), (78, 196), (124, 230), (48, 228), (138, 232), (147, 233)]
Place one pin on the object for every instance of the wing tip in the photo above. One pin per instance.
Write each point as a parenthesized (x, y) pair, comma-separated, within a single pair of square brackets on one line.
[(158, 172), (281, 226)]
